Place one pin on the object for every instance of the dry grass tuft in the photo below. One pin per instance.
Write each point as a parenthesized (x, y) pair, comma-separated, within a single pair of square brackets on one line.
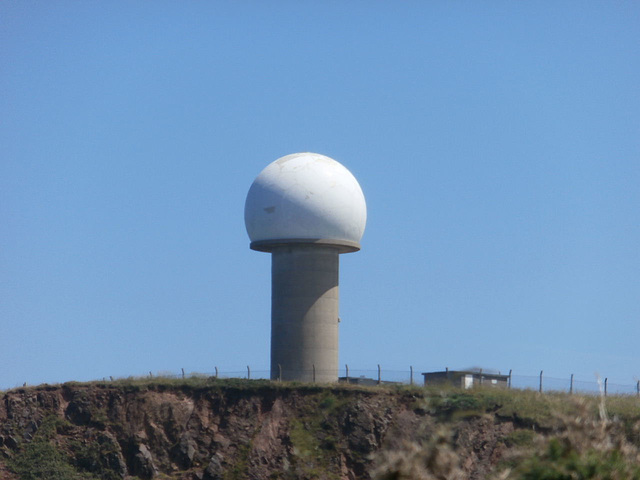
[(434, 460)]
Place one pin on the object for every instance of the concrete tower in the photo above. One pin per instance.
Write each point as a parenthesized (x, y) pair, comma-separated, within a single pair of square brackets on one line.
[(305, 209)]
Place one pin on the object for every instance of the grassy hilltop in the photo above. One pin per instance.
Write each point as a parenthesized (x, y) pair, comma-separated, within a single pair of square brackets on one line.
[(206, 429)]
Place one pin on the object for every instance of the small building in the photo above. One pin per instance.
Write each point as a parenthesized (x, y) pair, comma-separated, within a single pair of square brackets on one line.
[(466, 378)]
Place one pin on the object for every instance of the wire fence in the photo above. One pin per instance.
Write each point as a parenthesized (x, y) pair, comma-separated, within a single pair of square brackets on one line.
[(413, 376)]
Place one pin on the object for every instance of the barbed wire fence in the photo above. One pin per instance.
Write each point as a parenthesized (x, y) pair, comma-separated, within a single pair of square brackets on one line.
[(412, 376)]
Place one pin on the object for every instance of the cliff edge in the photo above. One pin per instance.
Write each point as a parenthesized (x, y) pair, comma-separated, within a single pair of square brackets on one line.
[(208, 429)]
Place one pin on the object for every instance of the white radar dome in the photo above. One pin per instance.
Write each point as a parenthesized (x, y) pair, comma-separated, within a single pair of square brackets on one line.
[(305, 198)]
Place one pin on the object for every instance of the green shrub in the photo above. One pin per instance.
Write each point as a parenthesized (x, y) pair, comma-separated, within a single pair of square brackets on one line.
[(455, 404), (520, 438), (40, 459), (93, 456), (561, 461), (587, 446), (328, 401)]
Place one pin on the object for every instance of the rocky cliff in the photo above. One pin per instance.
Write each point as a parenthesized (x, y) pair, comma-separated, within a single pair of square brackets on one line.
[(215, 429)]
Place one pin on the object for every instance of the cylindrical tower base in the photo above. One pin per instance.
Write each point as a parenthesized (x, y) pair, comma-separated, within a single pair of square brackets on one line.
[(304, 313)]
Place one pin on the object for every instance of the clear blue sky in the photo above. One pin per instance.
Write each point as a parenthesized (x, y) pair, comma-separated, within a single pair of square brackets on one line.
[(497, 144)]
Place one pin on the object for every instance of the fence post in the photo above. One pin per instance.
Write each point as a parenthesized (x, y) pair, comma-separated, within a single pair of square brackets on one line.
[(279, 372), (411, 375), (182, 372), (540, 389), (314, 372), (379, 375), (509, 380), (605, 386), (571, 385), (346, 367), (216, 372), (480, 376), (248, 373)]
